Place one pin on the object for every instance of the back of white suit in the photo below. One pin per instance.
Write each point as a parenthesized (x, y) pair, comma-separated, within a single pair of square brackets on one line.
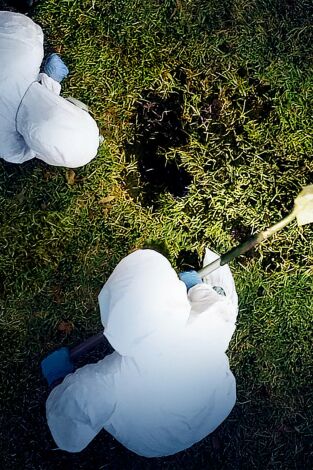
[(169, 385), (21, 54)]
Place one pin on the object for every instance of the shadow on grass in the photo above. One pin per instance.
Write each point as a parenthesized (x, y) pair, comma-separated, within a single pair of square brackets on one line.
[(255, 432)]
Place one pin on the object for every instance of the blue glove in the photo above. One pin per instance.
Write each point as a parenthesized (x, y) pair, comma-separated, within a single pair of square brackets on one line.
[(57, 365), (190, 278), (55, 68)]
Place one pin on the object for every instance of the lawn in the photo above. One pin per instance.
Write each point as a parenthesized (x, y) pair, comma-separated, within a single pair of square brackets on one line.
[(205, 107)]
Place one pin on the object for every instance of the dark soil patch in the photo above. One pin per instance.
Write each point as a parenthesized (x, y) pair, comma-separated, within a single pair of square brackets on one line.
[(2, 285), (225, 47), (180, 75), (131, 182), (272, 262), (158, 127), (257, 107), (243, 72), (259, 102), (211, 109), (239, 231), (261, 291), (188, 260), (209, 120)]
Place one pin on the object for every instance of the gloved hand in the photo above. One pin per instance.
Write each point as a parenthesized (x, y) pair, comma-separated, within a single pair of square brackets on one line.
[(57, 365), (55, 68), (190, 278)]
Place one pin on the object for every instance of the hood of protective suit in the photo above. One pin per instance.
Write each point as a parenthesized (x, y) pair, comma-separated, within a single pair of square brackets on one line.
[(143, 304), (59, 132), (19, 37)]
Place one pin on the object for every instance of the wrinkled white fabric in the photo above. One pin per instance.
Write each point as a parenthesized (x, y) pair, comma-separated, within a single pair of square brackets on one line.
[(168, 385), (49, 83), (34, 120)]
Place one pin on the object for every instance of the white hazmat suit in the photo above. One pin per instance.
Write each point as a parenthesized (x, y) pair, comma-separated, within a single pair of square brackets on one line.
[(34, 120), (168, 384)]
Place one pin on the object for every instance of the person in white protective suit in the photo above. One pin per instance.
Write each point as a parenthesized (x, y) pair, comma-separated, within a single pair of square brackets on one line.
[(168, 383), (34, 120)]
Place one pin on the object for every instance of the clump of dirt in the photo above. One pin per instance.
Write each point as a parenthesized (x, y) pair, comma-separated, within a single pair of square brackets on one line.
[(158, 127)]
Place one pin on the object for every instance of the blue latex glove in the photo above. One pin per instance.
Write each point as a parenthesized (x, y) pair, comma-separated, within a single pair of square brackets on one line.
[(55, 68), (57, 365), (190, 278)]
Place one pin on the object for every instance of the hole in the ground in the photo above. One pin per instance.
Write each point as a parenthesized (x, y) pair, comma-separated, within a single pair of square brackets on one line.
[(158, 127), (272, 262), (188, 260)]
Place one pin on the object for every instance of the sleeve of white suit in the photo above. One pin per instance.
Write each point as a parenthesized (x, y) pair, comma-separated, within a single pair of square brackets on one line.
[(79, 407), (49, 83), (214, 315)]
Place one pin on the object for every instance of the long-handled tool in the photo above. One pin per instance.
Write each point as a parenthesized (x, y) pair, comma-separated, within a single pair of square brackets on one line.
[(87, 345), (302, 211)]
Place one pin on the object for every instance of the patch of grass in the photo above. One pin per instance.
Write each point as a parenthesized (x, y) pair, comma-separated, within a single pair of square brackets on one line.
[(243, 74)]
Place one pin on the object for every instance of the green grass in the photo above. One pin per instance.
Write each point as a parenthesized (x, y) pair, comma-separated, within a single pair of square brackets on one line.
[(243, 72)]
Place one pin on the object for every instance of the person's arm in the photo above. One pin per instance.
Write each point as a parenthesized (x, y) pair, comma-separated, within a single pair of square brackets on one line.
[(49, 83), (79, 407), (213, 314), (54, 71)]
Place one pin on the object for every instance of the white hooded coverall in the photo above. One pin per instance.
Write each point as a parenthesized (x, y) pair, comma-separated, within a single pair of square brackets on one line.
[(34, 120), (168, 384)]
